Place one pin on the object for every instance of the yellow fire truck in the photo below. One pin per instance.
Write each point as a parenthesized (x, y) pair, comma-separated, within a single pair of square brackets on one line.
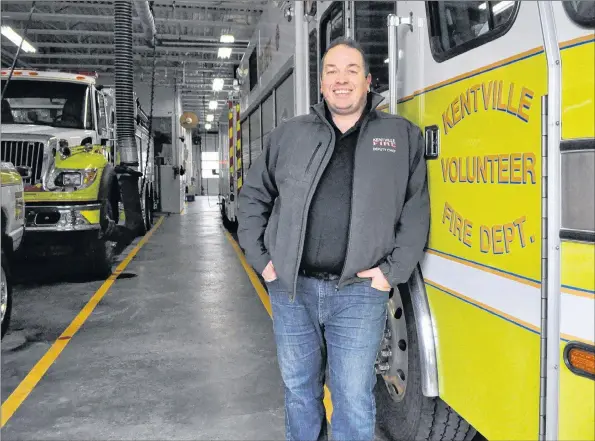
[(495, 330), (61, 127)]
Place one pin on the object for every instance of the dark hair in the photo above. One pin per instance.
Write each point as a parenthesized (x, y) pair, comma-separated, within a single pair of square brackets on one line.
[(349, 42)]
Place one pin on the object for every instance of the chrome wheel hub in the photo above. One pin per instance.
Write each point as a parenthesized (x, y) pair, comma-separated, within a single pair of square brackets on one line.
[(392, 361)]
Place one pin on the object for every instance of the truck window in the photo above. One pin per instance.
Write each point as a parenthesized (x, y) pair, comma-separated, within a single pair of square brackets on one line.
[(48, 103), (101, 114), (284, 100), (371, 31), (456, 27), (253, 69), (332, 26), (581, 12), (255, 136), (245, 137), (88, 123)]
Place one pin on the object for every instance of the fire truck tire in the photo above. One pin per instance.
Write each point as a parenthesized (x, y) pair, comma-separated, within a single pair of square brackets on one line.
[(6, 286), (148, 209), (416, 417), (100, 250)]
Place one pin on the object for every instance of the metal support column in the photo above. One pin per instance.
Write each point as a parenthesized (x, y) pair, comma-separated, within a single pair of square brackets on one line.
[(393, 60), (300, 60), (393, 23)]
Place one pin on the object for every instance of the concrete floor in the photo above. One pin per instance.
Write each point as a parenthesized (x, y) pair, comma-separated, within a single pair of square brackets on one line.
[(179, 348)]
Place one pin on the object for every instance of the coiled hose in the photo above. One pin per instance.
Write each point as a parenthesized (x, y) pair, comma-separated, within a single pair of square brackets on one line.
[(128, 177), (124, 70)]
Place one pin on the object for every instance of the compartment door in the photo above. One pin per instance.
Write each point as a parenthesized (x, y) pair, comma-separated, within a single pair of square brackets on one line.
[(483, 78), (575, 21)]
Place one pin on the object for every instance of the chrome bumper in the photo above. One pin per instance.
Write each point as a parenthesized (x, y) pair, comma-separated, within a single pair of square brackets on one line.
[(52, 218), (17, 238)]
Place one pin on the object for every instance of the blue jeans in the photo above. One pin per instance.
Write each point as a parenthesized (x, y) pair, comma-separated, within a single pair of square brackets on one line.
[(339, 329)]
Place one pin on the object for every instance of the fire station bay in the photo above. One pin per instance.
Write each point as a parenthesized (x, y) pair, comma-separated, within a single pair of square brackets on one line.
[(301, 220)]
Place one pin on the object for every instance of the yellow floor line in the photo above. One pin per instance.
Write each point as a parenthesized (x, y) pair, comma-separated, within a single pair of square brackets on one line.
[(20, 394), (264, 298)]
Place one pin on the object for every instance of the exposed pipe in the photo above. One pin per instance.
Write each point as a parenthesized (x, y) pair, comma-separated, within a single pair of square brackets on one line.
[(146, 20), (124, 73), (301, 77), (126, 146)]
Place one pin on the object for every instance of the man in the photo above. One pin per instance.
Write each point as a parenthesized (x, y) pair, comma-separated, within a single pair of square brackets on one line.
[(333, 214)]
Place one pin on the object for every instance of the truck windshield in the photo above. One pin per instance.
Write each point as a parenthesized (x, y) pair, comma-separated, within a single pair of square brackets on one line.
[(47, 103)]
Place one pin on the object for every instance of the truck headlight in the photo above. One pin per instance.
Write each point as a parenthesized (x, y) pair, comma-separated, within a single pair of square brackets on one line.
[(75, 178)]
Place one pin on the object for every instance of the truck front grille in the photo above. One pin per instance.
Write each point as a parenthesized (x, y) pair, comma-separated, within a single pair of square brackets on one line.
[(27, 153)]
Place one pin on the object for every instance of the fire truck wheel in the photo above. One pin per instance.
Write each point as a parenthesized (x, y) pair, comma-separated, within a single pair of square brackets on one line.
[(6, 295), (148, 210), (101, 250), (402, 411)]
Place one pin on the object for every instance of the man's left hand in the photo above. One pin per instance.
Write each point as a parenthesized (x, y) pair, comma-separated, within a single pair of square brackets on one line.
[(378, 280)]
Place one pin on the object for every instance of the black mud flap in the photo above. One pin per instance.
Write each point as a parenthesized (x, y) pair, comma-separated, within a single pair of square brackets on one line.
[(134, 226)]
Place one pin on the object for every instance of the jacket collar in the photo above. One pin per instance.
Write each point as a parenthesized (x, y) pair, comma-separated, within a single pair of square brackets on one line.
[(373, 97)]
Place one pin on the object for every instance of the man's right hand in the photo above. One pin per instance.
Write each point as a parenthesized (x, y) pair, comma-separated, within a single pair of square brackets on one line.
[(269, 274)]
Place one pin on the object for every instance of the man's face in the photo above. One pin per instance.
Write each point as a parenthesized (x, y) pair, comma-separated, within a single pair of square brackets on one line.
[(344, 84)]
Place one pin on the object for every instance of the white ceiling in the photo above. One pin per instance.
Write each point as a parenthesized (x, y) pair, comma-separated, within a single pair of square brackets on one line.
[(79, 35)]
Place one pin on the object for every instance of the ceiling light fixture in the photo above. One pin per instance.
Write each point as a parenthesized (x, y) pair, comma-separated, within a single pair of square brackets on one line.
[(9, 33), (207, 126), (210, 118), (226, 38), (213, 105), (224, 52), (218, 84)]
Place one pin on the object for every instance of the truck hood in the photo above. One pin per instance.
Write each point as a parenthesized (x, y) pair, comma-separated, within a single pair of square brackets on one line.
[(73, 136)]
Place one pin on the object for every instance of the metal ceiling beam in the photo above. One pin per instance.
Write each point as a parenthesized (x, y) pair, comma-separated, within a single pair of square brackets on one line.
[(67, 55), (139, 69), (160, 49), (47, 17), (186, 5), (250, 4), (169, 38)]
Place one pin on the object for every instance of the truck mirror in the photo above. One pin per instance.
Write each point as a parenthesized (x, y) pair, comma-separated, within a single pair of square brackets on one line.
[(24, 171)]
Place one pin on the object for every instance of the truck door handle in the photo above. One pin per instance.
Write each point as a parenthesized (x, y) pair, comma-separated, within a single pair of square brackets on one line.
[(432, 138)]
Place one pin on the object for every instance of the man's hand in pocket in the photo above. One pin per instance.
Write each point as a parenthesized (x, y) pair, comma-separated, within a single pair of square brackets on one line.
[(269, 274), (378, 280)]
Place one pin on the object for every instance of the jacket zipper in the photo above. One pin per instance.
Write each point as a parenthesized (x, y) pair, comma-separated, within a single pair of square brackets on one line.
[(312, 158), (361, 130), (305, 212)]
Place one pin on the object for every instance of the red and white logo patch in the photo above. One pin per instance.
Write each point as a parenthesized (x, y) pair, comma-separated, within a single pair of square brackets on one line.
[(384, 145)]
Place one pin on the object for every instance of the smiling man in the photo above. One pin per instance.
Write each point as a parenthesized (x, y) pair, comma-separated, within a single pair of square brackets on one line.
[(334, 214)]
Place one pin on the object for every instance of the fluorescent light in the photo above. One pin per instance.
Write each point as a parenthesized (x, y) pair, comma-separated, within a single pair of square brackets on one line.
[(218, 84), (224, 52), (498, 7), (226, 38), (213, 105), (9, 33), (210, 118), (207, 126)]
